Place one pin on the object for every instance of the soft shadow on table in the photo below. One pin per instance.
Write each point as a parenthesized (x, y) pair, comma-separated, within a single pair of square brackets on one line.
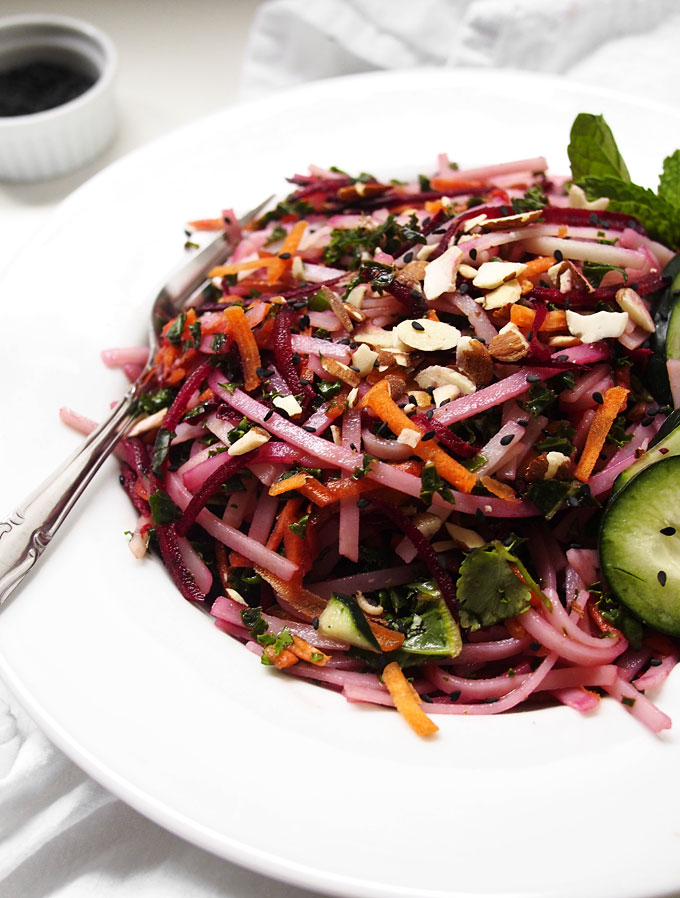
[(124, 847)]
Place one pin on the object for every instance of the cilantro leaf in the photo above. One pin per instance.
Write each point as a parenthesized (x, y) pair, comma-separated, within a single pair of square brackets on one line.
[(488, 589), (593, 151), (163, 509)]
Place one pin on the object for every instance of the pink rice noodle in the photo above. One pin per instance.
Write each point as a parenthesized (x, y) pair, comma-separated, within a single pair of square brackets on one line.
[(639, 705), (349, 510)]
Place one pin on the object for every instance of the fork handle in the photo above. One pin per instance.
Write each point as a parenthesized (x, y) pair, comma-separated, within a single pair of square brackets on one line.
[(27, 531)]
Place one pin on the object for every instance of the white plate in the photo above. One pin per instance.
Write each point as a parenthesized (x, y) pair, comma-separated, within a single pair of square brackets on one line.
[(178, 719)]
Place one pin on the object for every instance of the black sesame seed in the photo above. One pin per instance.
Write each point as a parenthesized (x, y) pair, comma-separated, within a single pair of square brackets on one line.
[(490, 699), (463, 288), (408, 257), (654, 662), (572, 501), (593, 219), (428, 435), (415, 294), (363, 503), (473, 253), (503, 210), (299, 304), (523, 422), (534, 646), (653, 410), (668, 531), (479, 514), (507, 439), (427, 698), (309, 428), (269, 414), (440, 231), (417, 326), (454, 696), (305, 382), (429, 413), (558, 255), (661, 577), (533, 378), (647, 421), (284, 255), (597, 397), (315, 623), (426, 221), (563, 357)]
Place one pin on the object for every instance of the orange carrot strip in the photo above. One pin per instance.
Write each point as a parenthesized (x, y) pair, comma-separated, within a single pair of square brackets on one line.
[(207, 224), (453, 184), (220, 271), (496, 488), (285, 658), (524, 318), (287, 516), (405, 701), (315, 491), (307, 652), (290, 483), (613, 400), (388, 640), (290, 244), (433, 206), (538, 266), (378, 398), (247, 347)]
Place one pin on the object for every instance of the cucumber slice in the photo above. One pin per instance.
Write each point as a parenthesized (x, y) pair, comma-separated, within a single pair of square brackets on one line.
[(673, 332), (434, 632), (343, 619), (664, 448), (640, 545)]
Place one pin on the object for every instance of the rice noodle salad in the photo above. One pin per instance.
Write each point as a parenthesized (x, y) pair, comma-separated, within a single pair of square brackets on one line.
[(409, 441)]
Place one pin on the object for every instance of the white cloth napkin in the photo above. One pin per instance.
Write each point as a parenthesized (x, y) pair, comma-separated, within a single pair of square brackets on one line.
[(62, 835)]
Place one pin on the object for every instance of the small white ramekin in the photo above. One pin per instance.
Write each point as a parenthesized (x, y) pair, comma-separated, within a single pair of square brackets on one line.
[(51, 143)]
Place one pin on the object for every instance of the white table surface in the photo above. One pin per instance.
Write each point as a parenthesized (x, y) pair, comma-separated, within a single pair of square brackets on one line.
[(178, 61)]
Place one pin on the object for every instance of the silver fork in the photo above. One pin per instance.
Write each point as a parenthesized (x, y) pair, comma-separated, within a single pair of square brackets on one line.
[(27, 531)]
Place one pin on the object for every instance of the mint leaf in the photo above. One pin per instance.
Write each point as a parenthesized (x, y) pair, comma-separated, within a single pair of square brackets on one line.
[(488, 589), (669, 181), (593, 151), (658, 217)]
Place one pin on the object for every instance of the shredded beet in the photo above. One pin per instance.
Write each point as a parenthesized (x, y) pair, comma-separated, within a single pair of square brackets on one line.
[(166, 535), (227, 469), (283, 353), (458, 446)]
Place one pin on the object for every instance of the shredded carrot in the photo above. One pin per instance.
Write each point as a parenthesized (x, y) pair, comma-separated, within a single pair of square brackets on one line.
[(288, 515), (388, 640), (307, 652), (614, 399), (604, 625), (288, 248), (378, 398), (288, 484), (537, 266), (285, 657), (562, 231), (496, 488), (324, 494), (524, 319), (220, 271), (433, 206), (207, 224), (247, 347), (453, 184), (404, 697)]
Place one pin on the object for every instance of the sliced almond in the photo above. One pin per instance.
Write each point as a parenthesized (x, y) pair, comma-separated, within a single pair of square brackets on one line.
[(467, 272), (374, 336), (409, 437), (632, 303), (288, 404), (442, 395), (439, 376), (502, 296), (559, 466), (440, 274), (426, 335), (147, 423), (493, 274), (255, 438), (598, 326), (474, 360), (521, 220), (354, 313), (352, 192), (509, 344), (471, 223), (578, 200), (413, 273), (356, 295), (340, 371), (466, 539), (565, 276), (363, 359)]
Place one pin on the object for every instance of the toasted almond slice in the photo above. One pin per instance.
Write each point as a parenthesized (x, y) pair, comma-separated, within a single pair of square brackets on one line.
[(512, 221), (252, 440), (493, 274), (340, 371), (426, 335), (466, 539), (440, 274), (502, 296), (288, 404), (409, 437), (632, 303)]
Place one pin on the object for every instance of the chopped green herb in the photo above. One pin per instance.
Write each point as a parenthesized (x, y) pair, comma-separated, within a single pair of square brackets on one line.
[(163, 509)]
